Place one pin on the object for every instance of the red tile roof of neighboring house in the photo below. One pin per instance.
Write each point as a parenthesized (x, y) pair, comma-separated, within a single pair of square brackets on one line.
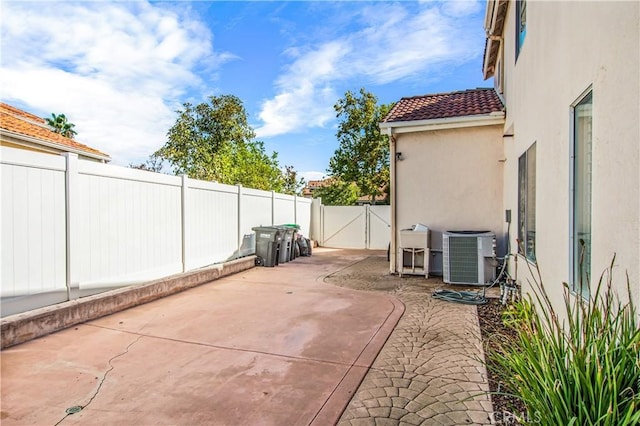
[(445, 105), (17, 121), (312, 185)]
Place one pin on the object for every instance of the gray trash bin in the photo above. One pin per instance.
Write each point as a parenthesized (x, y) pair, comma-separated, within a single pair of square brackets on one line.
[(303, 245), (268, 240), (294, 238), (287, 243)]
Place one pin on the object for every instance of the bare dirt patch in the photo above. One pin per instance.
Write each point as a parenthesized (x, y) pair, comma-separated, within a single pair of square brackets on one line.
[(507, 408)]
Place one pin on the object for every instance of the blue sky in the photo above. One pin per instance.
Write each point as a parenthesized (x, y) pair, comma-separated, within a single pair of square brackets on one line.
[(119, 70)]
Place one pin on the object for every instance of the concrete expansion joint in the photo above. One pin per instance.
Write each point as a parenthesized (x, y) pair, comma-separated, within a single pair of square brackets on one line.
[(231, 348)]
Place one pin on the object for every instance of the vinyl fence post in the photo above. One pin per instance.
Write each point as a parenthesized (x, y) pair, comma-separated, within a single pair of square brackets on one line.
[(321, 225), (295, 208), (367, 226), (315, 220), (273, 207), (72, 233), (185, 187), (240, 235)]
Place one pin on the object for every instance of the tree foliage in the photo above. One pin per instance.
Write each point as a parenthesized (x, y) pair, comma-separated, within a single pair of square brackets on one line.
[(152, 164), (338, 193), (363, 154), (60, 124), (249, 165), (213, 141), (291, 184)]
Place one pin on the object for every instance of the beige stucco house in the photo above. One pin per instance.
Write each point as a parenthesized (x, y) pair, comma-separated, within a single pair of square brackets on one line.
[(447, 171), (564, 160), (23, 130)]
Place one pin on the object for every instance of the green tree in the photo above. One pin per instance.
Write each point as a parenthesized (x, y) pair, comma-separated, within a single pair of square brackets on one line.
[(60, 124), (291, 184), (249, 165), (152, 164), (338, 193), (363, 154), (213, 141)]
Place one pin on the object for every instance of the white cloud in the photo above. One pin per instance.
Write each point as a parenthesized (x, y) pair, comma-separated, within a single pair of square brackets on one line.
[(461, 7), (396, 42), (305, 96), (122, 124), (117, 70), (312, 175)]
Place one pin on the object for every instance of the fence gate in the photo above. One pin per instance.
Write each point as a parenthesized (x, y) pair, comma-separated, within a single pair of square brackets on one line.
[(355, 227)]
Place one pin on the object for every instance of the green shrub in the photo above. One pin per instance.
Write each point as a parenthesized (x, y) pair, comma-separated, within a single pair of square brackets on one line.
[(584, 370)]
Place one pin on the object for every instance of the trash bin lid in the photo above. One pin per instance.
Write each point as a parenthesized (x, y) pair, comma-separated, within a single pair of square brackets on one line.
[(285, 230), (267, 230)]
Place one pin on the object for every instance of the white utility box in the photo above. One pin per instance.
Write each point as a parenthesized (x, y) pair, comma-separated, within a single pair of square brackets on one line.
[(414, 250)]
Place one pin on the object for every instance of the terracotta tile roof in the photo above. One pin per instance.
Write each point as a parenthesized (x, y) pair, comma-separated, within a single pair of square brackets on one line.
[(312, 185), (27, 124), (445, 105), (378, 198)]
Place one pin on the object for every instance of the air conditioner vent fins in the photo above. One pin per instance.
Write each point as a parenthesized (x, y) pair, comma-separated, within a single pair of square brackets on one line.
[(468, 257)]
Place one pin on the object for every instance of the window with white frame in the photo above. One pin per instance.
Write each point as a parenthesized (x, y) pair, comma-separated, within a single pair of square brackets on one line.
[(527, 204), (521, 24), (581, 163)]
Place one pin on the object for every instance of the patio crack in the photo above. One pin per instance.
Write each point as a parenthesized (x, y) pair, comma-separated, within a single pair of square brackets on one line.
[(78, 408)]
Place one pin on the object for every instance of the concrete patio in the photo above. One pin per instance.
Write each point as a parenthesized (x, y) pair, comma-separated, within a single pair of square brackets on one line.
[(267, 346)]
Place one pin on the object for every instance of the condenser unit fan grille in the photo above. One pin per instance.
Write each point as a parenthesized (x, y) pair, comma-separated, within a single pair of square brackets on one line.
[(463, 259), (467, 257)]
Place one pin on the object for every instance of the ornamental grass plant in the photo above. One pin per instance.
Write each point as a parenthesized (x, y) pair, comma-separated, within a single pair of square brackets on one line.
[(579, 369)]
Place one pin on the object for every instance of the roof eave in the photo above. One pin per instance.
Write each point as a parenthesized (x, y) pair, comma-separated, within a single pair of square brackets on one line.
[(489, 63), (489, 15), (495, 15), (396, 127), (57, 146)]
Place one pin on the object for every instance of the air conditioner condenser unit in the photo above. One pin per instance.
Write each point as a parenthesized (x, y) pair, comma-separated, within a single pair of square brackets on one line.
[(468, 257)]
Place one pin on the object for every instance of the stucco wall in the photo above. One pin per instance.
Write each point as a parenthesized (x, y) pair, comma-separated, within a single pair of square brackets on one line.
[(450, 180), (569, 47), (19, 144)]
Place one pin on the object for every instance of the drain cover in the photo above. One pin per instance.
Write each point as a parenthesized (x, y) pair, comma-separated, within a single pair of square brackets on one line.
[(74, 409)]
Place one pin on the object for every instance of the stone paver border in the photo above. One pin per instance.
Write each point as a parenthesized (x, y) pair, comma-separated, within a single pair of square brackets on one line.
[(430, 371)]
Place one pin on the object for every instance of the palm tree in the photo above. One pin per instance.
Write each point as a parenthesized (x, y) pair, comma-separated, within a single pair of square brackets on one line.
[(59, 124)]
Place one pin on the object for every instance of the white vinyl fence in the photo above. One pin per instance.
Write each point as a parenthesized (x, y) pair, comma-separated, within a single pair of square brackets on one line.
[(355, 227), (72, 227)]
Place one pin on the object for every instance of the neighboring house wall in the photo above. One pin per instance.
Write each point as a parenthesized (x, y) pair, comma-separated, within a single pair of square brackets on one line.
[(35, 145), (9, 144), (571, 47), (450, 180)]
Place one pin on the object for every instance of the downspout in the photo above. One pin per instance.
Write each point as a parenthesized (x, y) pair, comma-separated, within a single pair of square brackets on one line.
[(392, 188)]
